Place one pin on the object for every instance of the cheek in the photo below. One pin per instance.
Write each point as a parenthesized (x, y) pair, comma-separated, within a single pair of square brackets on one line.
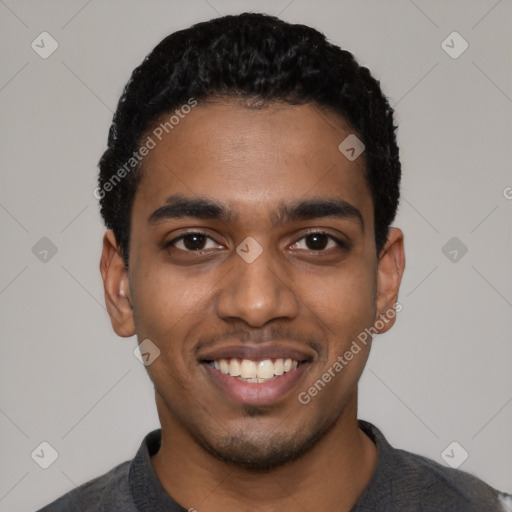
[(347, 297), (166, 311), (345, 307), (164, 298)]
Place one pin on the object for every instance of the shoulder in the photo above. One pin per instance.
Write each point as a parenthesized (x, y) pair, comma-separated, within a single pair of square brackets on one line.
[(109, 492), (445, 487), (406, 481)]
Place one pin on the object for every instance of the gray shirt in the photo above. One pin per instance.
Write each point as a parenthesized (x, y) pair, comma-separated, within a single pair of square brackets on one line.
[(402, 481)]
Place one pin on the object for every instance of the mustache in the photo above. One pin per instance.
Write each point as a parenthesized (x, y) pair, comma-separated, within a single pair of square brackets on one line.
[(260, 336)]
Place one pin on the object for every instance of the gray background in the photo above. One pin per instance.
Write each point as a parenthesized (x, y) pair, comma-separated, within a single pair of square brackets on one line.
[(442, 374)]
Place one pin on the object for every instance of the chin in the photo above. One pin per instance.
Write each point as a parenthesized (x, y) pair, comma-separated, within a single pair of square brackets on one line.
[(263, 451)]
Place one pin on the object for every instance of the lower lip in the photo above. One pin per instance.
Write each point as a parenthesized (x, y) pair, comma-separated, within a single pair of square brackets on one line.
[(262, 393)]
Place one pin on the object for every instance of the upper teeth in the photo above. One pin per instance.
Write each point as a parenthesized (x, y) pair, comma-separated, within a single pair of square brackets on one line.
[(248, 369)]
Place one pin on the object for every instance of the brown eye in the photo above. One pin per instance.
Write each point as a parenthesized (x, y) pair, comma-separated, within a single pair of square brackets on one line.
[(317, 241), (192, 242)]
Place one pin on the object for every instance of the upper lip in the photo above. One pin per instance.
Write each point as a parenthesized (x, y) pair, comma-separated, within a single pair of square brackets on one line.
[(257, 352)]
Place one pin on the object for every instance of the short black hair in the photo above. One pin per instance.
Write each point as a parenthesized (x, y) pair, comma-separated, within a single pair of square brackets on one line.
[(255, 57)]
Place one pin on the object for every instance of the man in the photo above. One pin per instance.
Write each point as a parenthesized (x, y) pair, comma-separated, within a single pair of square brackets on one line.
[(250, 181)]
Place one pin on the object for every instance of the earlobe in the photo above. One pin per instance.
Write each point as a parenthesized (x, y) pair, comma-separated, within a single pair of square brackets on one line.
[(390, 270), (116, 287)]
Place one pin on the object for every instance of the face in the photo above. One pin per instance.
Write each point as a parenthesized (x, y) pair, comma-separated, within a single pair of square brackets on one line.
[(252, 268)]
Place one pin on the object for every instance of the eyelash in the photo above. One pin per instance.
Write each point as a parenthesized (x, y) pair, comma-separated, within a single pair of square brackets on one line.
[(341, 244), (185, 235)]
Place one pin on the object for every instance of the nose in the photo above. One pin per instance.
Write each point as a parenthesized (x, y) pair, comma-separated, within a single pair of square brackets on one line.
[(256, 292)]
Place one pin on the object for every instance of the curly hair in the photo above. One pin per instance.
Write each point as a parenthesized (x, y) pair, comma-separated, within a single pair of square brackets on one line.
[(259, 58)]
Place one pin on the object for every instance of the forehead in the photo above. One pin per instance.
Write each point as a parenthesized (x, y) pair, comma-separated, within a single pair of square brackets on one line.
[(253, 159)]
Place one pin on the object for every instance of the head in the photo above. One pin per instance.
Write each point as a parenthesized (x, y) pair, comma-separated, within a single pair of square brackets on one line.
[(240, 229)]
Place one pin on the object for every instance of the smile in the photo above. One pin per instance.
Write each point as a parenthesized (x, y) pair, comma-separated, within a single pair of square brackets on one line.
[(255, 372)]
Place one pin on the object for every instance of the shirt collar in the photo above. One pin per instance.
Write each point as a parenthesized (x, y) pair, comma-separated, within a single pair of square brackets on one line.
[(147, 491), (150, 496)]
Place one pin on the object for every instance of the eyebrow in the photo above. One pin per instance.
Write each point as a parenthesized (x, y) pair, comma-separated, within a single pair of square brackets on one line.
[(312, 209), (178, 206)]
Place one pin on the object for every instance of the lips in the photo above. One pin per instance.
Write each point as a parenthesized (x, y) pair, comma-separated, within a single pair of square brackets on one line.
[(257, 352), (256, 374)]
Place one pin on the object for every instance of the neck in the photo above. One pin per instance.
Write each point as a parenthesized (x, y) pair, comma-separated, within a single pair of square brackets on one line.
[(331, 476)]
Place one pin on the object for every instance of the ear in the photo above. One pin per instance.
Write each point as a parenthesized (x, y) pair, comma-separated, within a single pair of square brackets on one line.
[(390, 269), (116, 287)]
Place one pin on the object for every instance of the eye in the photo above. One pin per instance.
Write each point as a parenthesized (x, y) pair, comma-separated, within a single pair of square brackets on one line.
[(319, 241), (195, 241)]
